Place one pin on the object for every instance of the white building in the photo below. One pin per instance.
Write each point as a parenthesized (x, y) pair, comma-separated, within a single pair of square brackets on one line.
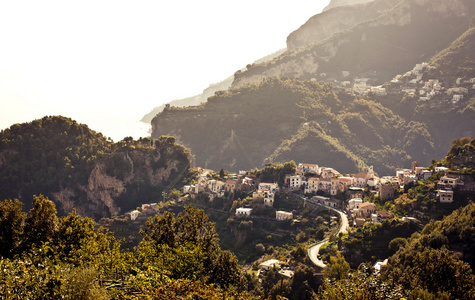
[(441, 169), (296, 181), (354, 203), (283, 215), (308, 168), (446, 196), (243, 211), (272, 187), (134, 214)]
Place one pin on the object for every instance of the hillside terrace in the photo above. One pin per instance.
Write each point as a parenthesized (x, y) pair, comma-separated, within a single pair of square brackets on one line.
[(323, 183)]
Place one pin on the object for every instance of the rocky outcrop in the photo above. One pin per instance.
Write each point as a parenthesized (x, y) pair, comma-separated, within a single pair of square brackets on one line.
[(324, 25), (108, 182)]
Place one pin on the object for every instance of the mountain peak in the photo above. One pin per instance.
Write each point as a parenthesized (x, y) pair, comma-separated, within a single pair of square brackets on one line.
[(338, 3)]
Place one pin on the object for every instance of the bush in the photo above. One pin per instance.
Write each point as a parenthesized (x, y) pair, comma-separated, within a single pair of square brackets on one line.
[(260, 248), (301, 237)]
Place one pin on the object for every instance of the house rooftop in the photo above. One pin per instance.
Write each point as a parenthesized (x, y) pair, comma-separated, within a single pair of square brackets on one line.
[(270, 263), (361, 175), (244, 209)]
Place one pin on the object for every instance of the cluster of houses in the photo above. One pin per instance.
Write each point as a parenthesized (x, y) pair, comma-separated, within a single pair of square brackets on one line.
[(147, 211), (263, 192), (361, 86), (412, 84), (318, 181)]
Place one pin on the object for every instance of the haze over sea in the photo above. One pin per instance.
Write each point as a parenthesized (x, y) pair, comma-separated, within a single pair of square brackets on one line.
[(108, 63)]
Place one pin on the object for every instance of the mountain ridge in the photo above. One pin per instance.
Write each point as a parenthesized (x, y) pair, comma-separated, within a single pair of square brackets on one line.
[(378, 49), (303, 120), (208, 92), (296, 120)]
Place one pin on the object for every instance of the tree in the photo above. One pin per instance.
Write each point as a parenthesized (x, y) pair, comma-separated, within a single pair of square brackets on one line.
[(361, 285), (12, 223), (73, 232), (161, 229), (270, 279), (260, 248), (396, 243), (193, 227), (301, 237), (439, 271), (337, 268), (42, 222), (302, 281)]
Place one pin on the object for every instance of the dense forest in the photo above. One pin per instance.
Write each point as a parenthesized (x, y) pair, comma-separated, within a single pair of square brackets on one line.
[(79, 168), (43, 256), (46, 256)]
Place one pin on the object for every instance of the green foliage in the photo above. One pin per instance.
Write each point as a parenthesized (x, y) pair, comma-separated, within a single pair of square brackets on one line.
[(70, 259), (12, 224), (260, 248), (192, 227), (426, 265), (311, 122), (42, 223), (301, 237), (47, 154), (461, 156), (276, 172), (456, 61), (396, 244), (363, 284), (184, 261), (376, 241), (57, 257), (337, 268), (56, 154)]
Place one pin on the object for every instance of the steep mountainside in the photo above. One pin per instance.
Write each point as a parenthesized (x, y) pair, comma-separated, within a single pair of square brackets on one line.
[(324, 25), (289, 119), (409, 33), (78, 168), (282, 119), (208, 92), (457, 61), (191, 101), (338, 3)]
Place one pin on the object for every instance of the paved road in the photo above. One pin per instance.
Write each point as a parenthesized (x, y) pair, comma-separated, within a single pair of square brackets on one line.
[(313, 250)]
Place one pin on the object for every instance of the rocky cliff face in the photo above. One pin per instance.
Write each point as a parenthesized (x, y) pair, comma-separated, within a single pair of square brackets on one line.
[(324, 25), (123, 181), (394, 41)]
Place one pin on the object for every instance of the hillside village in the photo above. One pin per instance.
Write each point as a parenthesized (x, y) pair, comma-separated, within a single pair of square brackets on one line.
[(415, 85), (322, 186)]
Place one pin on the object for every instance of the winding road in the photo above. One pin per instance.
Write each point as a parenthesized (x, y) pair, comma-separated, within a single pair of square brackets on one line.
[(313, 249)]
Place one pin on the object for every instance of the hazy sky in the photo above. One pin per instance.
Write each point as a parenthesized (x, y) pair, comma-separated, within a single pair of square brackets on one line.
[(107, 63)]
